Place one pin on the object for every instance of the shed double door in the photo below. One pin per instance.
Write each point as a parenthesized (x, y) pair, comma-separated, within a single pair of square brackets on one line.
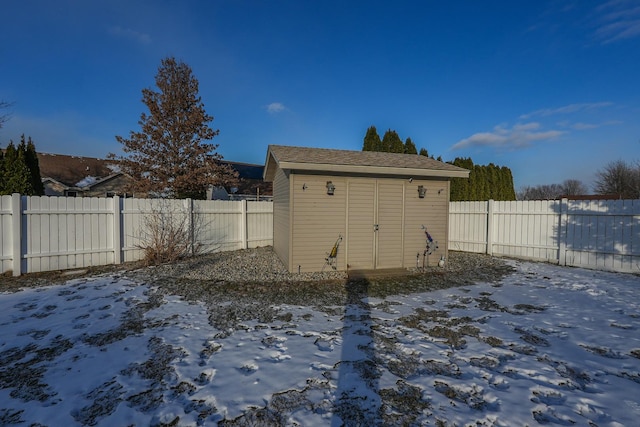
[(375, 211)]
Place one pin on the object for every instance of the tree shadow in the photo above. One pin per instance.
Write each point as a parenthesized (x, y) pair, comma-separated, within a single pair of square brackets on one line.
[(357, 400), (599, 234)]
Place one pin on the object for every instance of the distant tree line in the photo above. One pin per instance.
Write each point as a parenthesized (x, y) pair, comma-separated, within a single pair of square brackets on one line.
[(19, 169), (485, 181), (617, 179), (570, 187)]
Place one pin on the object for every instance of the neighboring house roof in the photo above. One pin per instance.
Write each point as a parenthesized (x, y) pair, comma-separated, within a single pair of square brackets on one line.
[(247, 170), (53, 187), (71, 170), (356, 162), (108, 178)]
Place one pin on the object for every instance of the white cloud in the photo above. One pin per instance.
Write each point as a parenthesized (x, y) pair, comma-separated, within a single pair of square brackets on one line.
[(130, 34), (584, 126), (519, 136), (567, 109), (587, 126), (275, 108), (619, 20)]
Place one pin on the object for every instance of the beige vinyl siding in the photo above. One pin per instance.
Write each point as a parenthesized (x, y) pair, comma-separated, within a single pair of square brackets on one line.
[(317, 221), (281, 213), (390, 222), (361, 218), (430, 212)]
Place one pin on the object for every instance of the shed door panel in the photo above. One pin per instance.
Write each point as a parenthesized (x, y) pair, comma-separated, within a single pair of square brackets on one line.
[(390, 202), (360, 234)]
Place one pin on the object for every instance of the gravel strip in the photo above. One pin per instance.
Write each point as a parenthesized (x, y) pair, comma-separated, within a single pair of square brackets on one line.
[(257, 275)]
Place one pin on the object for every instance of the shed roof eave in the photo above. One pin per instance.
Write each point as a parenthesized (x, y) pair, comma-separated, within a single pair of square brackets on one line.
[(270, 167), (372, 170)]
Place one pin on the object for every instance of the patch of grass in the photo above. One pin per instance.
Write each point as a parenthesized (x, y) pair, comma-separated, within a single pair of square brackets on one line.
[(577, 378), (492, 341), (10, 416), (106, 399), (487, 304), (472, 396), (528, 308), (603, 351), (532, 338), (403, 405)]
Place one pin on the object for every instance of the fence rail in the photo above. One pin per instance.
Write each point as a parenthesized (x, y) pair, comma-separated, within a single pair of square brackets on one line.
[(599, 234), (55, 233)]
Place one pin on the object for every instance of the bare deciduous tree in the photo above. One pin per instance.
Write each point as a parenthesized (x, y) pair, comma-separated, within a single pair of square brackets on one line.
[(540, 192), (573, 187), (570, 187), (168, 157), (4, 116), (619, 178)]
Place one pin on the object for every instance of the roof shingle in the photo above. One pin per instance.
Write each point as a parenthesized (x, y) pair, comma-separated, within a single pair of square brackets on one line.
[(304, 157)]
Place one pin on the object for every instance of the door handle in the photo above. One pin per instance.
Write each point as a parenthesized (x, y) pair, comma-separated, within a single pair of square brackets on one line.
[(376, 227)]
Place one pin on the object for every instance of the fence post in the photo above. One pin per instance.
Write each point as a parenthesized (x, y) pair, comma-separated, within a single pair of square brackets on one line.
[(490, 227), (243, 224), (117, 224), (563, 232), (188, 204), (16, 233)]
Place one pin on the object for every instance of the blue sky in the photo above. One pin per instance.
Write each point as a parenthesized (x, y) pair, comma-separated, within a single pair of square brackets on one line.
[(550, 89)]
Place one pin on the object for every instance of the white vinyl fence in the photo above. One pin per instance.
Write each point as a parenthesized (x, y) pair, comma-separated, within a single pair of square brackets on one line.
[(56, 233), (599, 234)]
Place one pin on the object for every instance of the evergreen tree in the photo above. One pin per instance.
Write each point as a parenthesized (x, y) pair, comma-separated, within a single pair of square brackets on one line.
[(168, 157), (10, 156), (510, 191), (2, 181), (460, 187), (392, 143), (492, 182), (31, 159), (424, 152), (17, 175), (484, 183), (371, 140), (410, 147)]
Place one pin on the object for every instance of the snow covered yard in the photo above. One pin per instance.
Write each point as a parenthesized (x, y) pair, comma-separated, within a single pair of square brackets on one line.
[(545, 345)]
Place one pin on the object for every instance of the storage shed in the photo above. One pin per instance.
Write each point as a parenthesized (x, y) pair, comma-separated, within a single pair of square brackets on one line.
[(377, 206)]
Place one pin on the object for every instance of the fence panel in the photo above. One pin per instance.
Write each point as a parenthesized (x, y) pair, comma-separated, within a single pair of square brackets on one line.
[(66, 232), (598, 234), (526, 229), (604, 234), (218, 225), (143, 219), (468, 226), (259, 224)]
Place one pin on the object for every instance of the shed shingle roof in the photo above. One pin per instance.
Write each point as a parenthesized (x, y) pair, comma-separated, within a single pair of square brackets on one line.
[(347, 161)]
